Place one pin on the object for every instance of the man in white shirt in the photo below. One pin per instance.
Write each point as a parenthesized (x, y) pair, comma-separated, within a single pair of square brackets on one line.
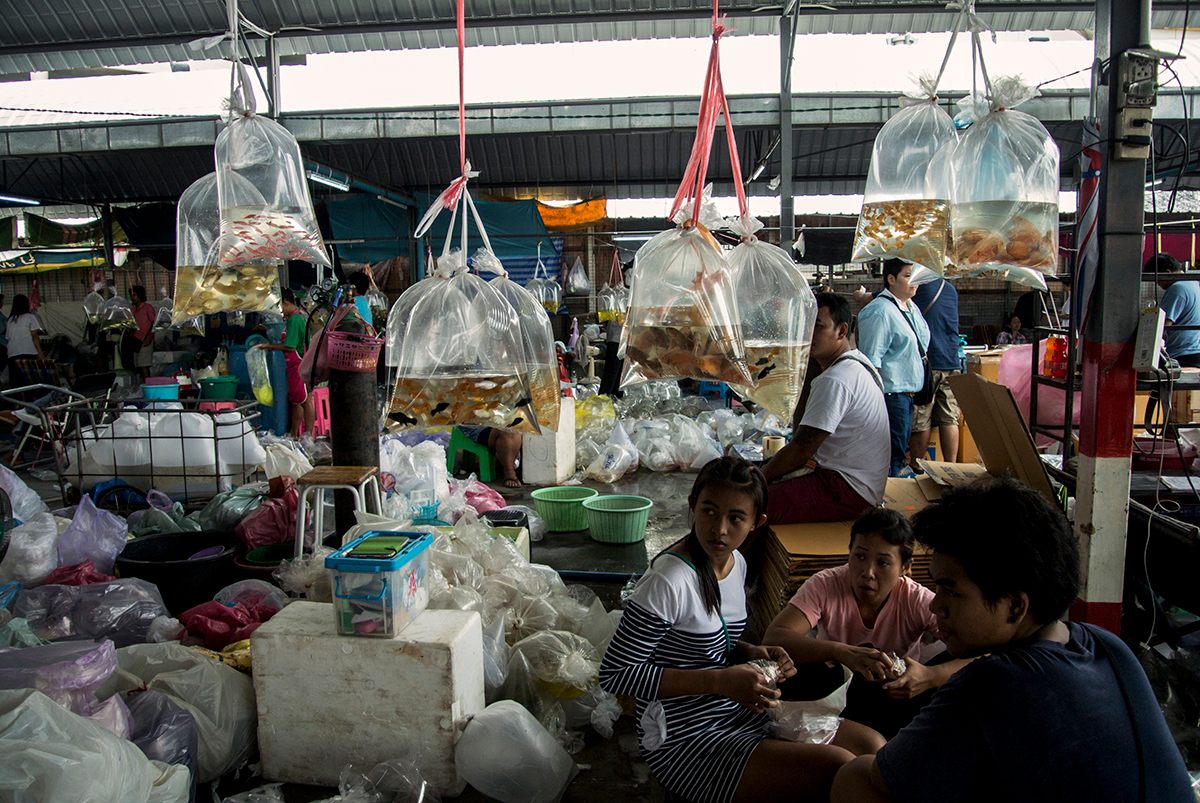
[(835, 466)]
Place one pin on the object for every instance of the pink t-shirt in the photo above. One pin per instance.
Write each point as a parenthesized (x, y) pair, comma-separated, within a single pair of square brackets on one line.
[(827, 600)]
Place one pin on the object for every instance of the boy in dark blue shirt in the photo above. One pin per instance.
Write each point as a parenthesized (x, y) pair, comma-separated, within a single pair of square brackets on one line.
[(1052, 710)]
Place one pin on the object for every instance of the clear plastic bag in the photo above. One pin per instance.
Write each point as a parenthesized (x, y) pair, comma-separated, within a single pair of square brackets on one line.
[(164, 730), (565, 665), (778, 312), (683, 320), (95, 535), (794, 724), (201, 286), (578, 281), (229, 507), (1004, 209), (506, 754), (24, 500), (899, 218), (537, 338), (618, 457), (32, 551), (52, 754), (456, 345), (260, 376), (93, 307), (220, 699), (546, 290), (117, 314), (121, 610), (266, 211)]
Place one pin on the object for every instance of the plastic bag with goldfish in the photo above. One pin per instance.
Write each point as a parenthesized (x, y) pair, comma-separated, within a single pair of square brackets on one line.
[(1004, 204)]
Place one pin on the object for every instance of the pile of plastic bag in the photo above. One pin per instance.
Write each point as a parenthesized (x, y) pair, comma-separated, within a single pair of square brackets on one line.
[(543, 640), (412, 477)]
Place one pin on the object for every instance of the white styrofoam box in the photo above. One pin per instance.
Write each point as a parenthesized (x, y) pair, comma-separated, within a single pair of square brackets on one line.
[(325, 701), (549, 458)]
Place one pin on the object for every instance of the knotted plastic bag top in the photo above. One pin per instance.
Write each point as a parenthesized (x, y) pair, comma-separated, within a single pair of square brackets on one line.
[(778, 312), (266, 211), (1004, 209)]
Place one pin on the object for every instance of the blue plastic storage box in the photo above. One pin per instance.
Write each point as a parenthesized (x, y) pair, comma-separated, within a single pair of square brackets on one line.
[(379, 582)]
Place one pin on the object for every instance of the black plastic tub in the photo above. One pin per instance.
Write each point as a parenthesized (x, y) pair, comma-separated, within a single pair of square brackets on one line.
[(171, 561)]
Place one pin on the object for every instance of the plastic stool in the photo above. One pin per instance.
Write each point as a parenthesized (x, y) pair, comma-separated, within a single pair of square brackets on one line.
[(459, 442), (719, 389), (358, 480), (321, 403)]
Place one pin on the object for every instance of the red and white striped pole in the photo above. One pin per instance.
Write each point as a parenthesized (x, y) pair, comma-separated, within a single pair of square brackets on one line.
[(1109, 381)]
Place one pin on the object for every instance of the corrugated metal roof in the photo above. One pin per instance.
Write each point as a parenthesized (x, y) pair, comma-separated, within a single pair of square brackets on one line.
[(627, 164), (66, 34)]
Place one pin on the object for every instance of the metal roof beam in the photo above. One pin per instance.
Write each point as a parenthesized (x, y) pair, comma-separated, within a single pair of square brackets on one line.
[(867, 111)]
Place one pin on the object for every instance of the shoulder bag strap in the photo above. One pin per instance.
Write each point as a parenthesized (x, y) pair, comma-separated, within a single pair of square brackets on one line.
[(936, 296), (870, 369), (911, 325)]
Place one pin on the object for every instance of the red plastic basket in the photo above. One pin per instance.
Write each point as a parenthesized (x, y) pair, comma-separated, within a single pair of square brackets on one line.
[(352, 352)]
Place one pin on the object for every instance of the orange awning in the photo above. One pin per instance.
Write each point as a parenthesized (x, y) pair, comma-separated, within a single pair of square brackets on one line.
[(584, 213)]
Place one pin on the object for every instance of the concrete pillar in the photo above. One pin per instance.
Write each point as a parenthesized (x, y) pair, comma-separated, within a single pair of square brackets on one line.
[(1106, 435)]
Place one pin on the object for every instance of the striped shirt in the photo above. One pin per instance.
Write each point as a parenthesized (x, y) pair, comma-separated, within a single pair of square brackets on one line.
[(705, 739)]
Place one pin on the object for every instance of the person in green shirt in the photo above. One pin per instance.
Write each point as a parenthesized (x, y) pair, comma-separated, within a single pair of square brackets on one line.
[(295, 341)]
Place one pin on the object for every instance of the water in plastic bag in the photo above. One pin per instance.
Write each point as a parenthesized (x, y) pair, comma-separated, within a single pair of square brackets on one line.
[(778, 312), (266, 210), (899, 218), (537, 339), (1004, 211), (456, 345), (201, 286), (578, 282), (117, 314), (260, 376), (93, 307), (683, 320)]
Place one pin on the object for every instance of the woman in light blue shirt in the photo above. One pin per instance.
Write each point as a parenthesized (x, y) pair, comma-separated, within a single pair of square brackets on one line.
[(888, 329)]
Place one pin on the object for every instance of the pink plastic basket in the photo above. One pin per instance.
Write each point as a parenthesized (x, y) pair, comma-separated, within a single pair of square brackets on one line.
[(352, 352)]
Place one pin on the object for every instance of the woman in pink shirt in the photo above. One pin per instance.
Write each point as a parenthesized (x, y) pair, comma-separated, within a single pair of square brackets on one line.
[(869, 617)]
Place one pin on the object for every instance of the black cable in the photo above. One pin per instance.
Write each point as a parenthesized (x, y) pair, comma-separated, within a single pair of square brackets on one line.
[(1187, 10), (1187, 134)]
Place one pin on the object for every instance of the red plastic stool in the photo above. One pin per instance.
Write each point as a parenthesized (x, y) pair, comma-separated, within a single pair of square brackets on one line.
[(321, 405), (216, 406)]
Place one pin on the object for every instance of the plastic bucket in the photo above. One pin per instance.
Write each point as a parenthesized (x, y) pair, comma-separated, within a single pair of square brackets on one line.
[(562, 507), (160, 392), (261, 563), (618, 519), (165, 559), (221, 388)]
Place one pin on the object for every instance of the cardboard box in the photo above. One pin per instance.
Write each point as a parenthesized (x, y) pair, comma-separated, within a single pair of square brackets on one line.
[(1005, 447)]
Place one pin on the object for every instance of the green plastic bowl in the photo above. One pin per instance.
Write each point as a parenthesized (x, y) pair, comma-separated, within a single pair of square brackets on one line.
[(219, 388), (561, 507), (618, 519)]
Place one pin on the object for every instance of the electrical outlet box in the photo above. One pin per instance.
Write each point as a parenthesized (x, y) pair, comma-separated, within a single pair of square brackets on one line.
[(1148, 344), (1137, 92)]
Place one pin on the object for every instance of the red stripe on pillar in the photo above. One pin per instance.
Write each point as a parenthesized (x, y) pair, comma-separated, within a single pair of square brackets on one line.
[(1101, 614), (1105, 420)]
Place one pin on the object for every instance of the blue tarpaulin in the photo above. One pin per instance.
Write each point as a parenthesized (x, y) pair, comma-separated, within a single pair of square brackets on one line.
[(383, 228)]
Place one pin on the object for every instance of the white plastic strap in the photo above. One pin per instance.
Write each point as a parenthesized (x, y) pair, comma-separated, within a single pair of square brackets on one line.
[(479, 224)]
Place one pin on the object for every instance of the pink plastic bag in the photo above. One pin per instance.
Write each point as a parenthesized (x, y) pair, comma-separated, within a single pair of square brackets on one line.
[(1015, 374), (274, 522), (218, 625), (81, 574), (483, 498)]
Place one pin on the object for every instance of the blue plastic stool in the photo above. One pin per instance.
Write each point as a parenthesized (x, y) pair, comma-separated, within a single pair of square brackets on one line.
[(718, 389)]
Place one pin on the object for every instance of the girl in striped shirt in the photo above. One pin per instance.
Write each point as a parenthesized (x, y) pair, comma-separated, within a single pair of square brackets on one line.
[(701, 708)]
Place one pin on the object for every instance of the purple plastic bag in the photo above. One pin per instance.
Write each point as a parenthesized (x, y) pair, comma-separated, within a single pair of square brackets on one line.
[(69, 673), (93, 534)]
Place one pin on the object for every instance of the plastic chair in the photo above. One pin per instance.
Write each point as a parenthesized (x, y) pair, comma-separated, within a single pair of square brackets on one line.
[(718, 389), (321, 404), (361, 481), (460, 443)]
